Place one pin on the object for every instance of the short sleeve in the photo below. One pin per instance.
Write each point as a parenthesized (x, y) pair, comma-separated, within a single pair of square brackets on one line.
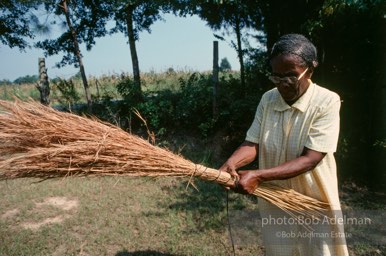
[(324, 131), (253, 133)]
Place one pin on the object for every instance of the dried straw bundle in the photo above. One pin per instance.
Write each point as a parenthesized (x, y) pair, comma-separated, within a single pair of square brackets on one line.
[(38, 141)]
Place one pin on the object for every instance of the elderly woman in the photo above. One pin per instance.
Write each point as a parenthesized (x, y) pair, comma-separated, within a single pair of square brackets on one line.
[(294, 135)]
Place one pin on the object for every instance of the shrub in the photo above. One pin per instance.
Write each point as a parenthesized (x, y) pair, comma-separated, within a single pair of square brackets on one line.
[(159, 110), (68, 93), (194, 107), (130, 93)]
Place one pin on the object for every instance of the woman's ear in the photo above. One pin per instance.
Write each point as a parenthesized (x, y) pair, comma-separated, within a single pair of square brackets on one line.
[(311, 69)]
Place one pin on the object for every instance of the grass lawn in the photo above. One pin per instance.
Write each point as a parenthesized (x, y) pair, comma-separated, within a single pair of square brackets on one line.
[(117, 216), (127, 216)]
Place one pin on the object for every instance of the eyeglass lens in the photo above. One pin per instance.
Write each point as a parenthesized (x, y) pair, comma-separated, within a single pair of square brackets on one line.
[(287, 79)]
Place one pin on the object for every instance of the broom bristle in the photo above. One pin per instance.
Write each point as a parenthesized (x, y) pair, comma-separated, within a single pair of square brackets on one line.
[(38, 141)]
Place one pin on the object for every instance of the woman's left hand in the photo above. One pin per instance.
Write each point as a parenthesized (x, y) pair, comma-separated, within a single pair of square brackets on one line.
[(248, 183)]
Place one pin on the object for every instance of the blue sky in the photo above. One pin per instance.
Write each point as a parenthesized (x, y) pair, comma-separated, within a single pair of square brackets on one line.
[(180, 43)]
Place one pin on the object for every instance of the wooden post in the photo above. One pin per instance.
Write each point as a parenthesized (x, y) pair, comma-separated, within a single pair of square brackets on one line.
[(215, 78), (43, 86)]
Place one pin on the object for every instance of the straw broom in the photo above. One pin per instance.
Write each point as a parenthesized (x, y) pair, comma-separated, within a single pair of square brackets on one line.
[(40, 142)]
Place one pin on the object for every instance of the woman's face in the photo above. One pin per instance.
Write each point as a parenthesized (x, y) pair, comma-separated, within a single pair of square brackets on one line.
[(287, 65)]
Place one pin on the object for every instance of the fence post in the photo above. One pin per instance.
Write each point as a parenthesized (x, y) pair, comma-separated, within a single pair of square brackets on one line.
[(215, 78), (43, 86)]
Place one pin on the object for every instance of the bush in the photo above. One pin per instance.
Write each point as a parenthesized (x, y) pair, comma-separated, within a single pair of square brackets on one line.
[(68, 93), (28, 79), (194, 107), (159, 110), (130, 93), (190, 108)]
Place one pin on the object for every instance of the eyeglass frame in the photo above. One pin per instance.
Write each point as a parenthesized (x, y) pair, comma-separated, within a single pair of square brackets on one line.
[(287, 79)]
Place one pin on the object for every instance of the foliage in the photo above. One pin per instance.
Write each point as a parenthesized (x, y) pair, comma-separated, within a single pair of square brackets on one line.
[(88, 19), (194, 105), (5, 82), (69, 95), (190, 107), (159, 110), (235, 17), (131, 18), (15, 18), (350, 36), (144, 13), (85, 21), (28, 79), (166, 109), (130, 93), (283, 17), (225, 65)]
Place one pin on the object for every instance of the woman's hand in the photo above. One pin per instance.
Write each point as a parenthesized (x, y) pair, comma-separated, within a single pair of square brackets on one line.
[(243, 155), (230, 168), (248, 183)]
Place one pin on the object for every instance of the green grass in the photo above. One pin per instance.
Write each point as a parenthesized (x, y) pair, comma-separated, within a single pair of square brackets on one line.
[(125, 216), (117, 216)]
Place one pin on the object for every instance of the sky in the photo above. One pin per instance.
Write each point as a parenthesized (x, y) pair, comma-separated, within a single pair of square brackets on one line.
[(178, 43)]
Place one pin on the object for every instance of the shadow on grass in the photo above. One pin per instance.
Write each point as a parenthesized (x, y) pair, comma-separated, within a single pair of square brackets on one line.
[(208, 203), (147, 253)]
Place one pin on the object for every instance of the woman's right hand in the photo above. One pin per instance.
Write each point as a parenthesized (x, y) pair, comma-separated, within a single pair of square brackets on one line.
[(243, 155), (230, 168)]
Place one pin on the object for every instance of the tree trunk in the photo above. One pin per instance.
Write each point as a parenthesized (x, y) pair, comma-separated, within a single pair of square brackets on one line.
[(43, 86), (97, 88), (240, 55), (78, 55), (133, 50), (215, 78)]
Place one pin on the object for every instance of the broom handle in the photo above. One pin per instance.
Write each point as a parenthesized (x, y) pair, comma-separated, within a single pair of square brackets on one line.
[(206, 173)]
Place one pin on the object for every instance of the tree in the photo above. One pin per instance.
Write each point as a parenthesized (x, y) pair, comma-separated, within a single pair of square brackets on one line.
[(133, 17), (225, 65), (14, 23), (85, 21), (234, 17), (350, 36), (283, 17)]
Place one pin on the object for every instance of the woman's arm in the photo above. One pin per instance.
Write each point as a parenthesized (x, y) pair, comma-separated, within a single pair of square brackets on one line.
[(243, 155), (250, 180)]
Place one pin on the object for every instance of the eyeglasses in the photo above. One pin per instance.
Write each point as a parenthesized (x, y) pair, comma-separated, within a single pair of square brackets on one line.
[(287, 79)]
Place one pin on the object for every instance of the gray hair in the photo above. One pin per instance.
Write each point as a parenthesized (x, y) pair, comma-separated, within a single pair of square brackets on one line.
[(298, 45)]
